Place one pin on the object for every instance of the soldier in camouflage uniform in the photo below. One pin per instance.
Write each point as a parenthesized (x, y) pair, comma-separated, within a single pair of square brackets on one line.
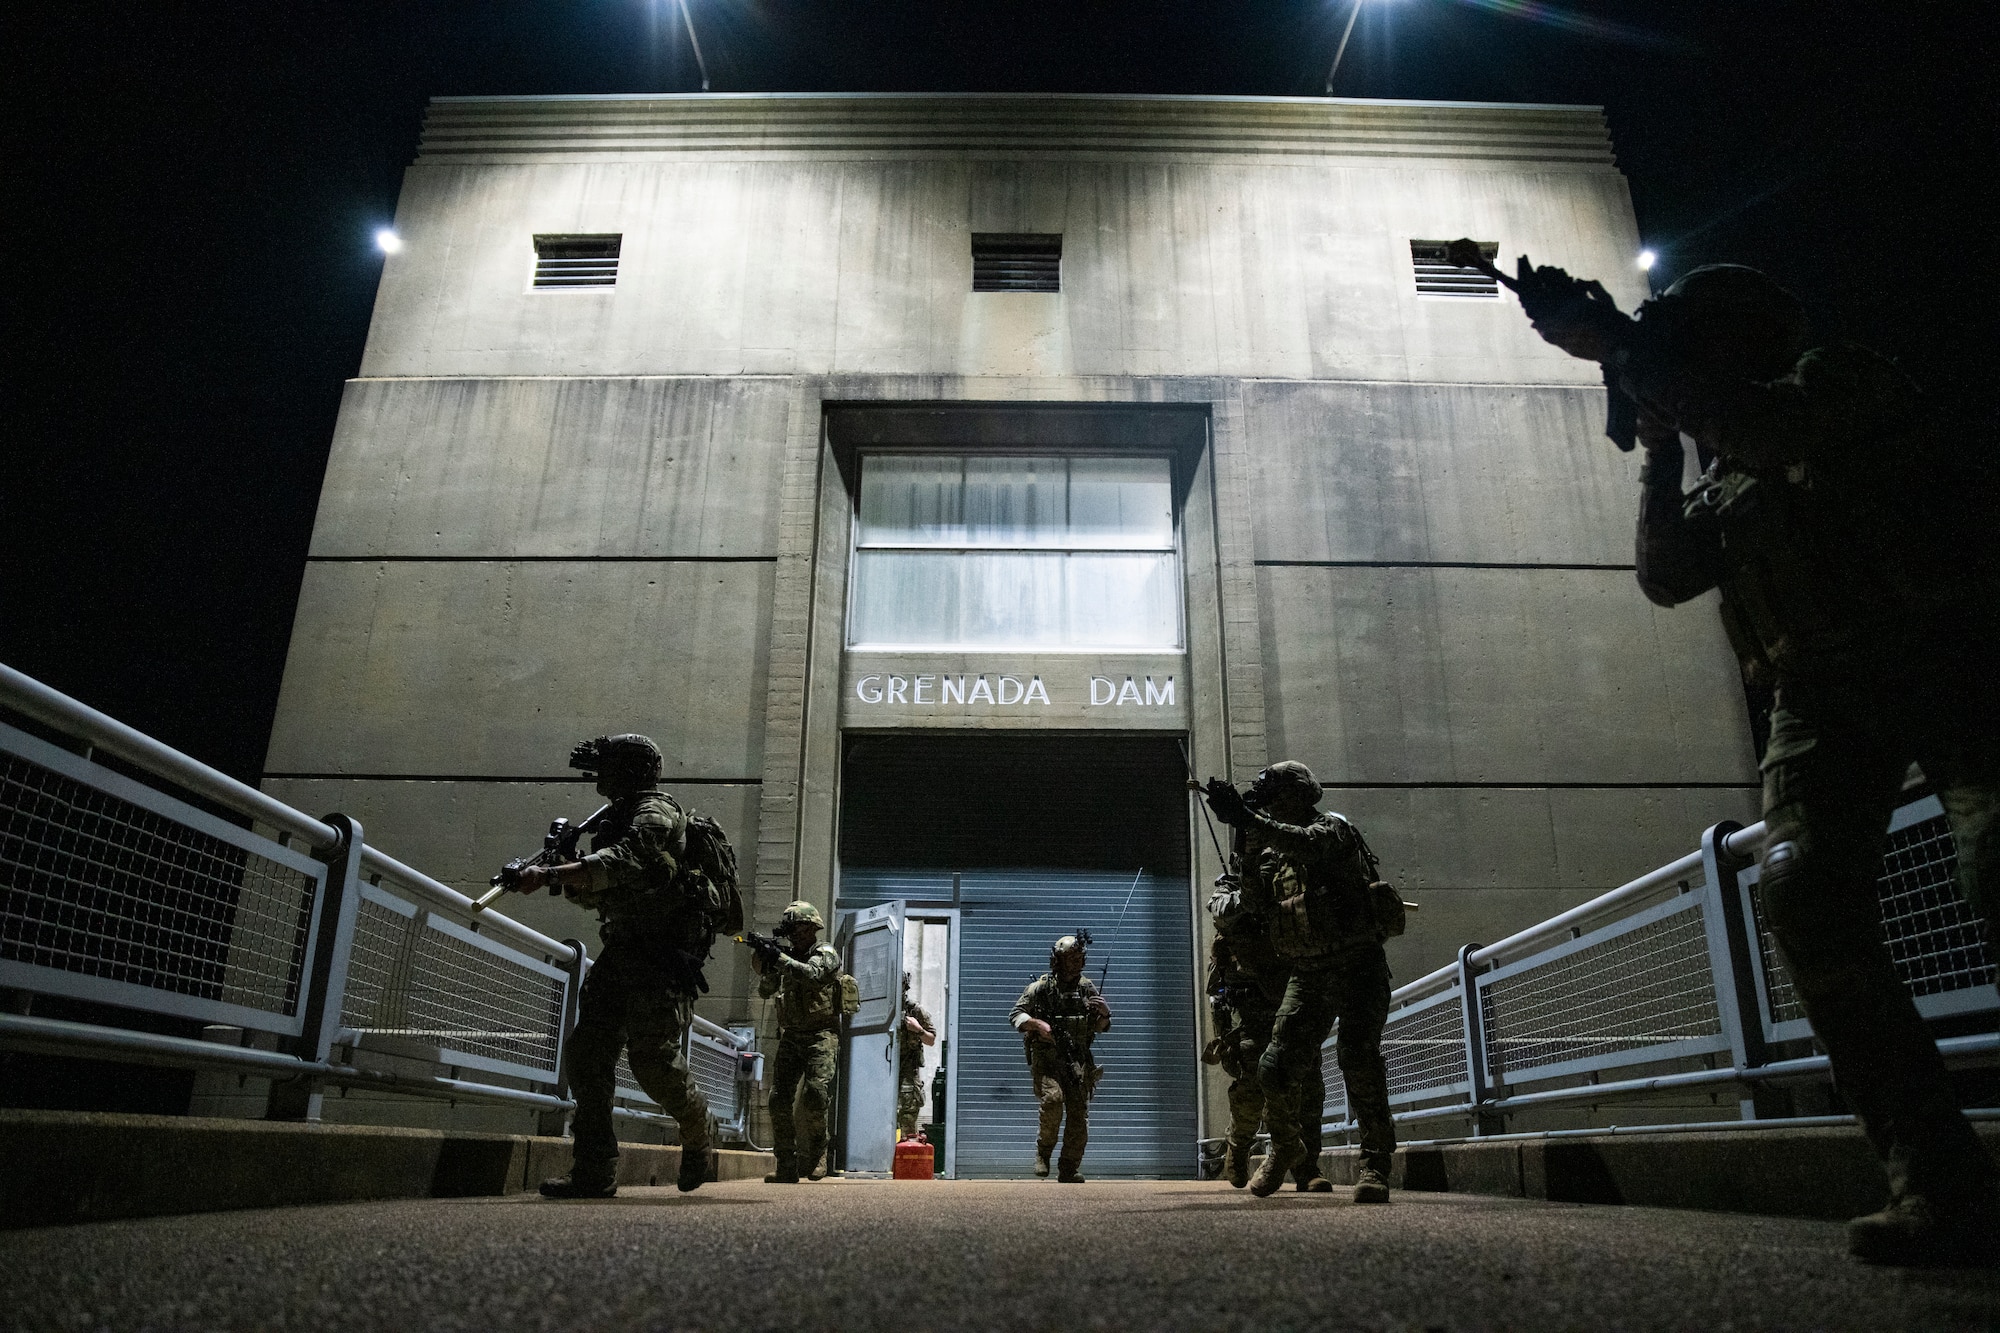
[(1058, 1016), (639, 994), (805, 978), (1308, 874), (1853, 553), (918, 1032), (1246, 981)]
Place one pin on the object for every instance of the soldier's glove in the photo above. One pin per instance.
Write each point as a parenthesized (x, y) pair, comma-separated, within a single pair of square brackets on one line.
[(1576, 315), (1226, 802)]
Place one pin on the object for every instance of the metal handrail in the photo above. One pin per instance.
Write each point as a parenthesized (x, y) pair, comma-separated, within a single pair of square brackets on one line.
[(52, 707), (1650, 882), (378, 862)]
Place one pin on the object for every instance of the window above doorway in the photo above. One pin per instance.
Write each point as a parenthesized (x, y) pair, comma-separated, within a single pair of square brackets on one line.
[(1049, 553)]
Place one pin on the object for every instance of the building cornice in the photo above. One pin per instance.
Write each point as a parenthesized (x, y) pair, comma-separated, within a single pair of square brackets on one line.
[(1002, 125)]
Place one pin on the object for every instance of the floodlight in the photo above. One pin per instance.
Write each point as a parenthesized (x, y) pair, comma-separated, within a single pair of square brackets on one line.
[(1647, 259), (387, 241)]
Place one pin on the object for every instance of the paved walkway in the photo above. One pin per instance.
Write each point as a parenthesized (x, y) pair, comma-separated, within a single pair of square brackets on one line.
[(869, 1255)]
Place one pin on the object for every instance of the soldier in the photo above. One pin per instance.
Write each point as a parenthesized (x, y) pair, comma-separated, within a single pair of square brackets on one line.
[(1310, 873), (1058, 1016), (639, 996), (1857, 582), (806, 979), (1246, 981), (918, 1032)]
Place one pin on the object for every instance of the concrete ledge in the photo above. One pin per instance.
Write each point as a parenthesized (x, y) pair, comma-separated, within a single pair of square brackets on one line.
[(58, 1167), (1813, 1172)]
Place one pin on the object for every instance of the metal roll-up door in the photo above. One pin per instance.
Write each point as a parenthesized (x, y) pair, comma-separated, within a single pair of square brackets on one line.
[(953, 807)]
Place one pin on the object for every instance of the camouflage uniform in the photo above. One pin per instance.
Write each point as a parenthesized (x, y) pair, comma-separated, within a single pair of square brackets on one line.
[(1841, 589), (808, 992), (910, 1070), (1312, 882), (1064, 1073), (1246, 979), (639, 994)]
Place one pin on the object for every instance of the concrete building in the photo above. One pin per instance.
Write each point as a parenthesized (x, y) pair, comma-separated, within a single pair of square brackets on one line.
[(928, 474)]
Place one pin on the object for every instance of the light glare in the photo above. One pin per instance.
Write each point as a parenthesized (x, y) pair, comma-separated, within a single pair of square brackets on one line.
[(388, 242), (1647, 259)]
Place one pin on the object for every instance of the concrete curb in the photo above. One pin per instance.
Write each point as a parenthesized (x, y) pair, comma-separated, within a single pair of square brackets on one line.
[(59, 1167), (1820, 1172)]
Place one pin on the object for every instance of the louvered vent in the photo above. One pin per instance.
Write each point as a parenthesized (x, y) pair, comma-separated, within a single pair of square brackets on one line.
[(576, 261), (1438, 276), (1013, 262)]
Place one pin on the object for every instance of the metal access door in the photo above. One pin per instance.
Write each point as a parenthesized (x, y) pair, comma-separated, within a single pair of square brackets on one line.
[(874, 956)]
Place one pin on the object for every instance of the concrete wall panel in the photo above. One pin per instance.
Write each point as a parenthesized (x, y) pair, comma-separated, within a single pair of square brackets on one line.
[(1441, 675), (542, 467), (497, 668), (1171, 266), (1424, 473)]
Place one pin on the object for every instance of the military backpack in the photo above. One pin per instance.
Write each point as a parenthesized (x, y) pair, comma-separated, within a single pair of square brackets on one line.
[(709, 869)]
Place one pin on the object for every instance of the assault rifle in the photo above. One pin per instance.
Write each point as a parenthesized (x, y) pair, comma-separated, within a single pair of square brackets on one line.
[(1550, 296), (558, 849), (766, 947)]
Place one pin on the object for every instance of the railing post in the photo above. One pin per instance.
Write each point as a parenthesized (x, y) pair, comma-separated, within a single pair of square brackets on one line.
[(1475, 1042), (1729, 943), (552, 1123), (325, 982)]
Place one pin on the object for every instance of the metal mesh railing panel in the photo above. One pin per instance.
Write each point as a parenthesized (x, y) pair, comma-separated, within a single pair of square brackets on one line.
[(378, 969), (628, 1082), (1336, 1087), (1645, 987), (1937, 943), (407, 978), (715, 1073), (1425, 1050), (478, 1002), (94, 884)]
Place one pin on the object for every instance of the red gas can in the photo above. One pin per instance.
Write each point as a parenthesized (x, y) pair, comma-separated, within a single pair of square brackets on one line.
[(915, 1160)]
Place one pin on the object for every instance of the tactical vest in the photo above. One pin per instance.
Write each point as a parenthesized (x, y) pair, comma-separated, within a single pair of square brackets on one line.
[(1067, 1012), (1320, 907), (803, 1007), (1846, 559), (659, 915)]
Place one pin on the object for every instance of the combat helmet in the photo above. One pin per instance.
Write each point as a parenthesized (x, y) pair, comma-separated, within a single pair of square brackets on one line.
[(1733, 318), (1077, 944), (1285, 776), (798, 914), (626, 760)]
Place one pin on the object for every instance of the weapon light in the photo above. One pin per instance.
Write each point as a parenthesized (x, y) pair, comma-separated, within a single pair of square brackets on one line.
[(388, 242)]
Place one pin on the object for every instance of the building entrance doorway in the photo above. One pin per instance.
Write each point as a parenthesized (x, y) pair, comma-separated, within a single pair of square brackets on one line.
[(1025, 838)]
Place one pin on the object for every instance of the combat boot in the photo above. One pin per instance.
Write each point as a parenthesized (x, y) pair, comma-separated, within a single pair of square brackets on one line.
[(1272, 1170), (1914, 1232), (1236, 1165), (1312, 1182), (1042, 1152), (580, 1185), (1370, 1186), (819, 1167), (695, 1163), (787, 1172), (1069, 1173)]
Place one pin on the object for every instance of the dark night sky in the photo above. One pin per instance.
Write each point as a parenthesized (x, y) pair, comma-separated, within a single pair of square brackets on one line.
[(189, 273)]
